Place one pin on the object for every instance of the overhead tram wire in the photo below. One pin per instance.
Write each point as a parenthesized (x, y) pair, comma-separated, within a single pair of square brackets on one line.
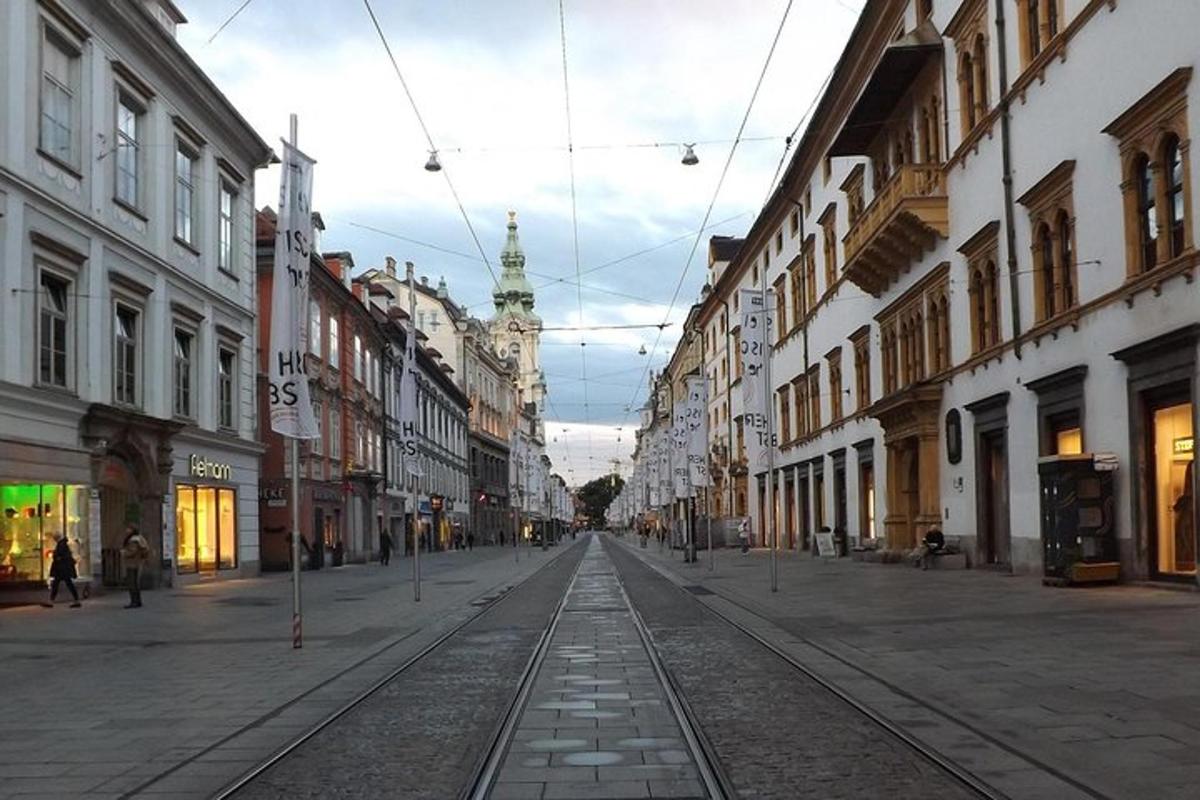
[(602, 146), (791, 140), (429, 138), (227, 21), (562, 35), (708, 212)]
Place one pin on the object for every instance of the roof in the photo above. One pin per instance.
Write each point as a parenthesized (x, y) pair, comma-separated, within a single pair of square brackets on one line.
[(724, 248)]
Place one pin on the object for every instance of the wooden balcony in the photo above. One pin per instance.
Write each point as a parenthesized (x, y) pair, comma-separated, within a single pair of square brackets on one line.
[(898, 228)]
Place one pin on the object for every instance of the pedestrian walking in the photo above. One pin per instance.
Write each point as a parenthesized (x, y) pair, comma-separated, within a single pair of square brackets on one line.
[(135, 552), (385, 547), (62, 570), (502, 538), (744, 536), (471, 541)]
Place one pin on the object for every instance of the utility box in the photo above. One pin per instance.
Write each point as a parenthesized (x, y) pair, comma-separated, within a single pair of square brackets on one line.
[(1079, 538)]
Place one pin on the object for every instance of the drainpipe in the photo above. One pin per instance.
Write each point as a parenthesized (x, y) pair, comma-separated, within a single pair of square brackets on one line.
[(730, 448), (1010, 233)]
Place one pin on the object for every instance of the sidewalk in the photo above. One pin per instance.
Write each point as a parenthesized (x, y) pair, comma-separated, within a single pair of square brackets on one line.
[(1101, 684), (100, 700)]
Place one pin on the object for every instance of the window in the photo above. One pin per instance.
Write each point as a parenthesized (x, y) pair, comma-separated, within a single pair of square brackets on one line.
[(1033, 26), (53, 329), (57, 133), (318, 443), (182, 382), (334, 347), (335, 432), (810, 272), (862, 370), (226, 375), (903, 330), (781, 327), (778, 242), (185, 193), (358, 358), (225, 247), (1044, 270), (938, 322), (800, 396), (785, 416), (794, 222), (797, 289), (1172, 166), (1147, 213), (314, 328), (1051, 219), (125, 356), (985, 322), (814, 398), (966, 85), (835, 386), (829, 226), (1066, 259), (754, 273), (129, 124)]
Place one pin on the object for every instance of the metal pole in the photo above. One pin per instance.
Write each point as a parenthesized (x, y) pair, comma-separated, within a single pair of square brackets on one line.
[(770, 397), (708, 526), (297, 619), (416, 512)]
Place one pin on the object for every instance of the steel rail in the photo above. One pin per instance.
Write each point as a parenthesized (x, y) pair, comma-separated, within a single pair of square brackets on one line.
[(961, 775), (251, 775), (490, 762)]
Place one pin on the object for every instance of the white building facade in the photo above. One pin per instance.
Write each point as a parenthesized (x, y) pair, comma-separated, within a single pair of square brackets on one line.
[(127, 286)]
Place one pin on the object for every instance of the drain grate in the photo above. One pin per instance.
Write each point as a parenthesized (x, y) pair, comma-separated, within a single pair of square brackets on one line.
[(700, 590)]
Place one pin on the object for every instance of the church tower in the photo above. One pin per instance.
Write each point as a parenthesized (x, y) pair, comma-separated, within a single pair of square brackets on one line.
[(515, 328)]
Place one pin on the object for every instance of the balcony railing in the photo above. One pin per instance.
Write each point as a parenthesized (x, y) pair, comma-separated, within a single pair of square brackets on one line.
[(899, 225)]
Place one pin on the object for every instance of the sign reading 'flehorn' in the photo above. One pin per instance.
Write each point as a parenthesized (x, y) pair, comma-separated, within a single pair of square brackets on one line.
[(201, 467)]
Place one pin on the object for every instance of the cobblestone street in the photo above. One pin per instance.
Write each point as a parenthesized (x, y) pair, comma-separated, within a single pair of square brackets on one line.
[(1012, 679), (200, 684)]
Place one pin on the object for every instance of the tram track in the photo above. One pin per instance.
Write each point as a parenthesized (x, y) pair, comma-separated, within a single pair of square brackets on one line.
[(486, 602), (969, 780)]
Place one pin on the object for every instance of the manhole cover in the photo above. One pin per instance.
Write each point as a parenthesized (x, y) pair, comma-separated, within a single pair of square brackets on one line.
[(698, 589)]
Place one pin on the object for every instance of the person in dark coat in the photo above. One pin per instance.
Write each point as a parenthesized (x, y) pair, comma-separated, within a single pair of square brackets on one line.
[(385, 547), (62, 570), (471, 541)]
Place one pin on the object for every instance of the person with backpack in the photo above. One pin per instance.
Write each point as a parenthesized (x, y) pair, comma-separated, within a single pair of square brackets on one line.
[(135, 552), (62, 570)]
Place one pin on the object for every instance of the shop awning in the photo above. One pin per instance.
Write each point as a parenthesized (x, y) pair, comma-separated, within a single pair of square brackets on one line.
[(900, 65)]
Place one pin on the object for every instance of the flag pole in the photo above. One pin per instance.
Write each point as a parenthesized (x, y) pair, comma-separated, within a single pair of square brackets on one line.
[(769, 397), (297, 618), (412, 475)]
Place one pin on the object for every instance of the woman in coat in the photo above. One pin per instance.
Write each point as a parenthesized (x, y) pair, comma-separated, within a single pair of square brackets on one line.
[(62, 570)]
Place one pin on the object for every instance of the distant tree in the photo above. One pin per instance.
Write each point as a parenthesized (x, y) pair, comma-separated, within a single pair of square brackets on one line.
[(597, 494)]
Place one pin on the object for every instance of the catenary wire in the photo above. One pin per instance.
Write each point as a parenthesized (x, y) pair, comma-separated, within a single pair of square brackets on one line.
[(429, 138), (227, 21), (720, 182)]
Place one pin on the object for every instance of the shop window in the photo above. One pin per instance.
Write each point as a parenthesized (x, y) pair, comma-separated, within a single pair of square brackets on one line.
[(53, 331), (866, 498), (205, 528), (125, 356), (1173, 502), (33, 517)]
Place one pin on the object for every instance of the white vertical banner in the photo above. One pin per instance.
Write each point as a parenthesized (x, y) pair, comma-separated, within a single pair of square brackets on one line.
[(697, 444), (679, 442), (653, 465), (291, 411), (757, 323), (663, 455), (409, 438)]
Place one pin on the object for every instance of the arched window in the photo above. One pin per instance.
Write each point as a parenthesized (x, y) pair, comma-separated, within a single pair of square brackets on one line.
[(1173, 172), (934, 327), (981, 79), (944, 333), (1066, 260), (908, 147), (1051, 19), (979, 305), (905, 362), (934, 138), (1045, 270), (898, 153), (966, 81), (992, 294), (1033, 23), (1147, 211), (918, 345)]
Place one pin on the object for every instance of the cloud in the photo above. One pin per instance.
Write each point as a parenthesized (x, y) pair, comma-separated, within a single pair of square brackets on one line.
[(488, 79)]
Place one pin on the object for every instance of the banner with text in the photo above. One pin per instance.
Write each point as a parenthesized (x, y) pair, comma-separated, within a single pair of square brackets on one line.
[(697, 445), (757, 325), (409, 440), (291, 411), (679, 441)]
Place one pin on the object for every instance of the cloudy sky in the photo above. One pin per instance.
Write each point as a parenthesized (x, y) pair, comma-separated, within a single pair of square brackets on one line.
[(487, 78)]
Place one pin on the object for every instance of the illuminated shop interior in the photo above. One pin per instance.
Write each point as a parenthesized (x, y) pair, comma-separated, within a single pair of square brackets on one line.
[(32, 518), (1174, 515), (205, 528)]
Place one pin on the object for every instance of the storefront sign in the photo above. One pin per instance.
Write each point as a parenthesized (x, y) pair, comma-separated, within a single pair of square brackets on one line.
[(201, 467), (1183, 446)]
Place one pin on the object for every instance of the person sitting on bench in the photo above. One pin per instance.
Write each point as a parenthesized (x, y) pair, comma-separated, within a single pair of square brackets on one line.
[(933, 544)]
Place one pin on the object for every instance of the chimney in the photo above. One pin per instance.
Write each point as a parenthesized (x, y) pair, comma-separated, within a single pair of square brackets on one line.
[(424, 280), (391, 267), (356, 288)]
